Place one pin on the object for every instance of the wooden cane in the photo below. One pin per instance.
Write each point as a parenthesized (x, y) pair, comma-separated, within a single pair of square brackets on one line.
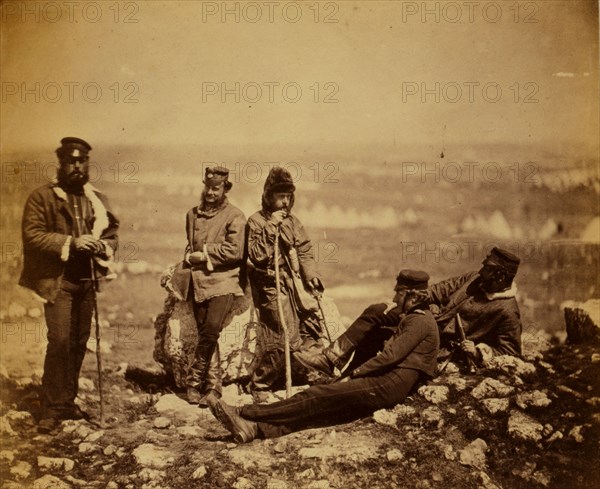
[(98, 353), (286, 339)]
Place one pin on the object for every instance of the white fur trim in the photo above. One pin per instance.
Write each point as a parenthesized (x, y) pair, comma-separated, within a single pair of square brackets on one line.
[(504, 294)]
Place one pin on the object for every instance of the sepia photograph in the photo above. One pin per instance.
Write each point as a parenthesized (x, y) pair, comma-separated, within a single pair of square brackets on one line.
[(300, 244)]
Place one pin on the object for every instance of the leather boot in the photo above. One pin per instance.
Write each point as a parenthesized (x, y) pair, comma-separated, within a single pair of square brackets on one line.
[(212, 385), (339, 352), (325, 361)]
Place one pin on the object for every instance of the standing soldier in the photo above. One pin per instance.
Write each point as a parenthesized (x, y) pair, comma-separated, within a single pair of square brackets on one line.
[(275, 218), (69, 232), (215, 255)]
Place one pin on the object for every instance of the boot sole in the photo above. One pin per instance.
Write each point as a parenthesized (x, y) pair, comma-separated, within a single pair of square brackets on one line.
[(224, 417)]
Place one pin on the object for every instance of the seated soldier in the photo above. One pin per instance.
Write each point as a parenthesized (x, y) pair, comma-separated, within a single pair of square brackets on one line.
[(366, 335), (485, 301), (381, 382)]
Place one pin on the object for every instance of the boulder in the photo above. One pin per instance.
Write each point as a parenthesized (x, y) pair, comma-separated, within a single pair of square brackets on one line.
[(536, 399), (50, 482), (495, 405), (435, 394), (489, 387), (153, 457), (53, 464), (473, 454), (582, 321), (510, 365), (524, 427)]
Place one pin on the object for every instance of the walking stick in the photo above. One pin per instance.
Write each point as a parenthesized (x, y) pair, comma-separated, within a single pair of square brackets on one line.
[(286, 339), (318, 297), (98, 353)]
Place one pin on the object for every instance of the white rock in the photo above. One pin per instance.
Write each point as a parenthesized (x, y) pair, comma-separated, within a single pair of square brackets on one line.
[(449, 453), (557, 435), (95, 436), (524, 427), (435, 394), (487, 482), (510, 365), (112, 485), (575, 433), (50, 482), (21, 470), (200, 472), (306, 474), (385, 417), (534, 398), (6, 428), (243, 483), (51, 464), (148, 455), (7, 456), (151, 475), (320, 484), (86, 384), (495, 405), (491, 388), (277, 484), (105, 346), (404, 411), (433, 415), (474, 454), (162, 422), (190, 431), (458, 382), (394, 455), (87, 447), (109, 450), (20, 419), (541, 478), (176, 408)]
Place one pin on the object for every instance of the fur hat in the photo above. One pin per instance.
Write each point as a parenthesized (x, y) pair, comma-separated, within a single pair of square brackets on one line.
[(278, 180)]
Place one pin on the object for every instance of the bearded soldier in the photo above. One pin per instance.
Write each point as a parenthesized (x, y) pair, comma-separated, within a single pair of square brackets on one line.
[(485, 300), (69, 234)]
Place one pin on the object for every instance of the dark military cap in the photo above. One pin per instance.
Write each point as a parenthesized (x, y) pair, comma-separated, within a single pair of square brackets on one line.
[(74, 147), (412, 279), (216, 175), (503, 259)]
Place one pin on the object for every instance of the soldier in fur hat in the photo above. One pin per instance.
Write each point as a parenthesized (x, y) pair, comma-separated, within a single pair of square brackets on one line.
[(69, 232), (276, 214)]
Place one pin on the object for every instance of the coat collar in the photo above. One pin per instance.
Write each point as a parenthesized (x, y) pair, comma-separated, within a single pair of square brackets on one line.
[(503, 294)]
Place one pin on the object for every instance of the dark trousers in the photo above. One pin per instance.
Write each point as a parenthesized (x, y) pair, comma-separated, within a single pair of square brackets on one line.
[(332, 404), (369, 332), (210, 315), (68, 321)]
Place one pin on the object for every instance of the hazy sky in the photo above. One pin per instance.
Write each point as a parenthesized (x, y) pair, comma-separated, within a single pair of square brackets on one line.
[(374, 63)]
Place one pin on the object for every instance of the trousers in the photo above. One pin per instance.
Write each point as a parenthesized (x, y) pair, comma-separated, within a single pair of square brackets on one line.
[(209, 315), (323, 405), (68, 321)]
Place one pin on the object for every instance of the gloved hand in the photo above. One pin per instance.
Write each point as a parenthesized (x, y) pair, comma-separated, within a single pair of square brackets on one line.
[(87, 243), (196, 258), (316, 284)]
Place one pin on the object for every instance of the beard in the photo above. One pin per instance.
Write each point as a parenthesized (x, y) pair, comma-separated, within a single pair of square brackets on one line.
[(218, 202), (72, 181)]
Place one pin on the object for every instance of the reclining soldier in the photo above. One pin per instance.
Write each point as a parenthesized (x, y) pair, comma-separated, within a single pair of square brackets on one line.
[(484, 299), (486, 303), (366, 335), (381, 382)]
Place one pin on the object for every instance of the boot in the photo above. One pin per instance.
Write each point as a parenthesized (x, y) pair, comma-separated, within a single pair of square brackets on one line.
[(243, 430), (212, 386), (325, 361)]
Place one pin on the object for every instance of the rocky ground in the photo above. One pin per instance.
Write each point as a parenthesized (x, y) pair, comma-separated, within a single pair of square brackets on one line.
[(519, 423)]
